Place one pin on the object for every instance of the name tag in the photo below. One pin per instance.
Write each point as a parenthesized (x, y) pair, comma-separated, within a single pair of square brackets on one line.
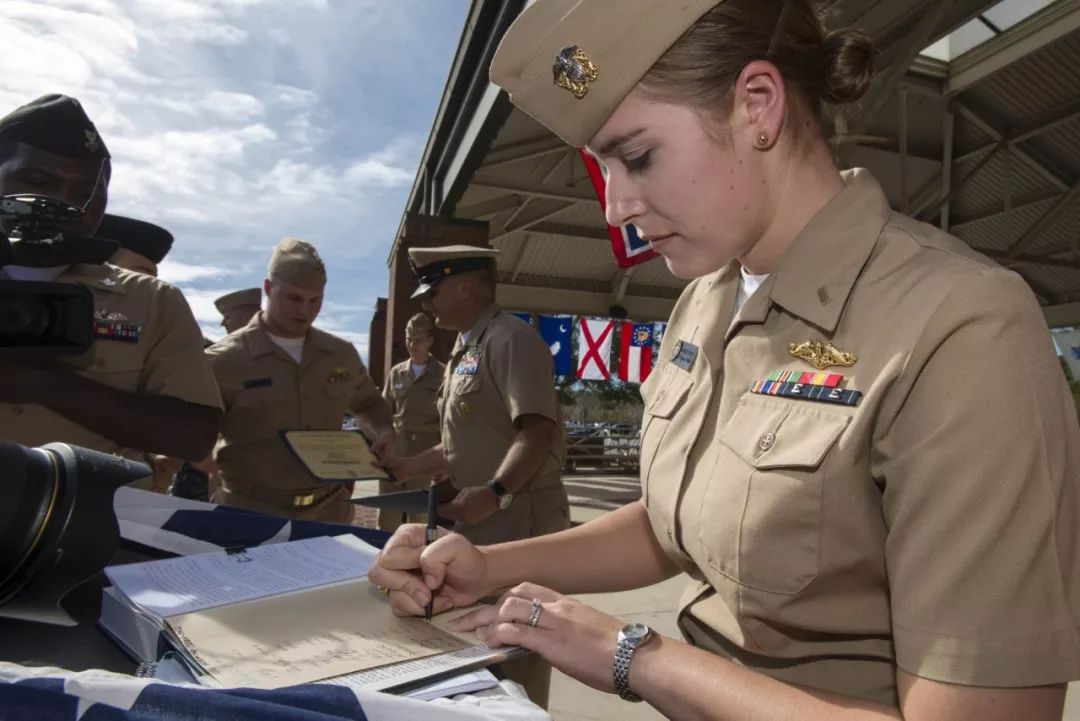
[(685, 354), (257, 383)]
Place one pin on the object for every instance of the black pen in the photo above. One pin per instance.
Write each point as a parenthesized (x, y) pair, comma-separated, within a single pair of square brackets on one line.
[(429, 538)]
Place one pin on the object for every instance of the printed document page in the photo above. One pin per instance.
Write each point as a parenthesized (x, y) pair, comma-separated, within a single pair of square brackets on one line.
[(174, 586), (300, 638)]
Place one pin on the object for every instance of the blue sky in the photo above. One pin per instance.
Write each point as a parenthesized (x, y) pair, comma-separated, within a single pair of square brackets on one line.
[(236, 122)]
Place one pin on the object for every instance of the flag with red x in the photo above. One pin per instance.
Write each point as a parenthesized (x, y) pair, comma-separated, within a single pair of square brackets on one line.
[(594, 349)]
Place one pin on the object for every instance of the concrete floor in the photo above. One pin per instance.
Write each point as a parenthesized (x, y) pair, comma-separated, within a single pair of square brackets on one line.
[(591, 496)]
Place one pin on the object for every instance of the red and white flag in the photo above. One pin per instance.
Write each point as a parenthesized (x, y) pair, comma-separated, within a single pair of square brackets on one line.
[(594, 349), (635, 357)]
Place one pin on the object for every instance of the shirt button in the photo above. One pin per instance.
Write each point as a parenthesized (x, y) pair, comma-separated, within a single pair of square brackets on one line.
[(766, 441)]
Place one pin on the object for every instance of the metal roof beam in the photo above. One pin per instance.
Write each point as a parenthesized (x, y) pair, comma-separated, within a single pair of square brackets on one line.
[(998, 136), (542, 299), (1036, 32), (1062, 316), (1004, 258), (523, 150), (537, 212), (1052, 122), (538, 190), (997, 212), (942, 202), (568, 230), (1046, 222), (488, 207)]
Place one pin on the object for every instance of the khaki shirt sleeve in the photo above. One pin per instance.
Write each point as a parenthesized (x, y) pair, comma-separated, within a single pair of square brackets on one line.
[(980, 461), (522, 369), (367, 394), (176, 365)]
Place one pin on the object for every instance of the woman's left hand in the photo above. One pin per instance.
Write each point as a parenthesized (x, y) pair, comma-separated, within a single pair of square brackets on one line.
[(574, 638)]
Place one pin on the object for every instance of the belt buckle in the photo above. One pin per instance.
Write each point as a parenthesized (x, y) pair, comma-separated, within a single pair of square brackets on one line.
[(304, 501)]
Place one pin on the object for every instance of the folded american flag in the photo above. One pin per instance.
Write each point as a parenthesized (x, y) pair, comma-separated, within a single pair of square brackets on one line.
[(184, 527), (50, 694)]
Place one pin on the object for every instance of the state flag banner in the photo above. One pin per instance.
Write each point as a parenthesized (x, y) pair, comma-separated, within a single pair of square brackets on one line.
[(1068, 344), (594, 349), (626, 243), (556, 332), (635, 354)]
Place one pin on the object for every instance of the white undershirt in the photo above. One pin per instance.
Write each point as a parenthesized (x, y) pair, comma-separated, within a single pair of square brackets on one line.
[(418, 369), (293, 346), (41, 275), (748, 285)]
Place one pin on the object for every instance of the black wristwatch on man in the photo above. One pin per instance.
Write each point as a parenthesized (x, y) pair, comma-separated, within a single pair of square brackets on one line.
[(503, 496)]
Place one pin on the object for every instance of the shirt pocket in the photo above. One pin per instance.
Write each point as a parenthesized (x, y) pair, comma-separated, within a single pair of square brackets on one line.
[(668, 397), (115, 364), (760, 522)]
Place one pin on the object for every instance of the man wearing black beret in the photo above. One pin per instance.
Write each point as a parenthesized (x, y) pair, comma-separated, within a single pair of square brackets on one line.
[(144, 386), (143, 245)]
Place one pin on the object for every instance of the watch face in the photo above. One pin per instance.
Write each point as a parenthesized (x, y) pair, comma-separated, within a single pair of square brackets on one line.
[(636, 631), (505, 500)]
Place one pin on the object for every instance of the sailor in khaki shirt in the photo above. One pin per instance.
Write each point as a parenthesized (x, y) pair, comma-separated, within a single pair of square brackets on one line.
[(281, 373), (144, 385), (858, 442), (501, 439), (411, 391)]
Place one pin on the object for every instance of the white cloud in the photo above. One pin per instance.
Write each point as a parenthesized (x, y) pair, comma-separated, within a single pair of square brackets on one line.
[(236, 122), (175, 272)]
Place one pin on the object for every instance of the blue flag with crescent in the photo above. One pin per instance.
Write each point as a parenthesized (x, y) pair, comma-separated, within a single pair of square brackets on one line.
[(556, 333)]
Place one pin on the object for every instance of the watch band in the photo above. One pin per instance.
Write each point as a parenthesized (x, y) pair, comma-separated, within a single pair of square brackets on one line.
[(624, 652), (500, 489)]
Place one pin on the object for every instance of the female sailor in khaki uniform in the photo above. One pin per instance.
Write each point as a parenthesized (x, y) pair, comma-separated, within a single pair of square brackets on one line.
[(858, 443)]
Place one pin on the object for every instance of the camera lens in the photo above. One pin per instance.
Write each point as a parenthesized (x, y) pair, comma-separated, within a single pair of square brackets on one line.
[(25, 317), (29, 489)]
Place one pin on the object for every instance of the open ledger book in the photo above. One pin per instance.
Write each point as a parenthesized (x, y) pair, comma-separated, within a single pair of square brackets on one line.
[(285, 614)]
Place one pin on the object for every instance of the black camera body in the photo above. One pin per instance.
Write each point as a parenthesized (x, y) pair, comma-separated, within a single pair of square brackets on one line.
[(57, 526), (40, 320)]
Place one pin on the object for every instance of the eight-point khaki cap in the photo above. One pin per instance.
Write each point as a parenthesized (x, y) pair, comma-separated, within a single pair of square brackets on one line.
[(569, 63), (297, 262), (431, 265), (238, 298)]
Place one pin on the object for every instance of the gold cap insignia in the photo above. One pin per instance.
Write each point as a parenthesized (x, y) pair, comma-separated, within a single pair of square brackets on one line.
[(92, 143), (574, 70), (821, 355)]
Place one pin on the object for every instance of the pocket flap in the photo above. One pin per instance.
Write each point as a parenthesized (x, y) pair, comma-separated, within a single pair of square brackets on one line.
[(673, 388), (769, 433)]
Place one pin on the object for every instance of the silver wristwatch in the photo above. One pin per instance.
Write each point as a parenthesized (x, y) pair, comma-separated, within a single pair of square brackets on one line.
[(631, 638)]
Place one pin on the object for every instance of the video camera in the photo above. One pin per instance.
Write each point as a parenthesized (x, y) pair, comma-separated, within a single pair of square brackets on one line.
[(57, 526), (41, 320)]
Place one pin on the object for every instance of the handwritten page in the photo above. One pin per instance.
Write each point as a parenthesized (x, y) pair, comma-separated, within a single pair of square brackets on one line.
[(300, 638), (182, 585)]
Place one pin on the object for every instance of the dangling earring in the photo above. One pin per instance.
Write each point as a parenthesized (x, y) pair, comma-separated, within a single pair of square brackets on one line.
[(762, 140)]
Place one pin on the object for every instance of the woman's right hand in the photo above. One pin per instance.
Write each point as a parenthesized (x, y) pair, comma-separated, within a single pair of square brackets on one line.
[(452, 568)]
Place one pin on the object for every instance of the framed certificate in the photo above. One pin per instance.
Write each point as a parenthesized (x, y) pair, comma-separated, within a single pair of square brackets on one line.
[(335, 455)]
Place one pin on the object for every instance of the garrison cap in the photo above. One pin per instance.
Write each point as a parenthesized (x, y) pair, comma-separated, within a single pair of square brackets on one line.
[(296, 261), (431, 265), (148, 240), (238, 298), (57, 124), (569, 63)]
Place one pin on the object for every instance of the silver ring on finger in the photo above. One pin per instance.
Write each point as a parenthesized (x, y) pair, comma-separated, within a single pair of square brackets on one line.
[(535, 611)]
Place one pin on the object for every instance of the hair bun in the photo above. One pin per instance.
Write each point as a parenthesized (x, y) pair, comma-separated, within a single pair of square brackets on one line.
[(849, 66)]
